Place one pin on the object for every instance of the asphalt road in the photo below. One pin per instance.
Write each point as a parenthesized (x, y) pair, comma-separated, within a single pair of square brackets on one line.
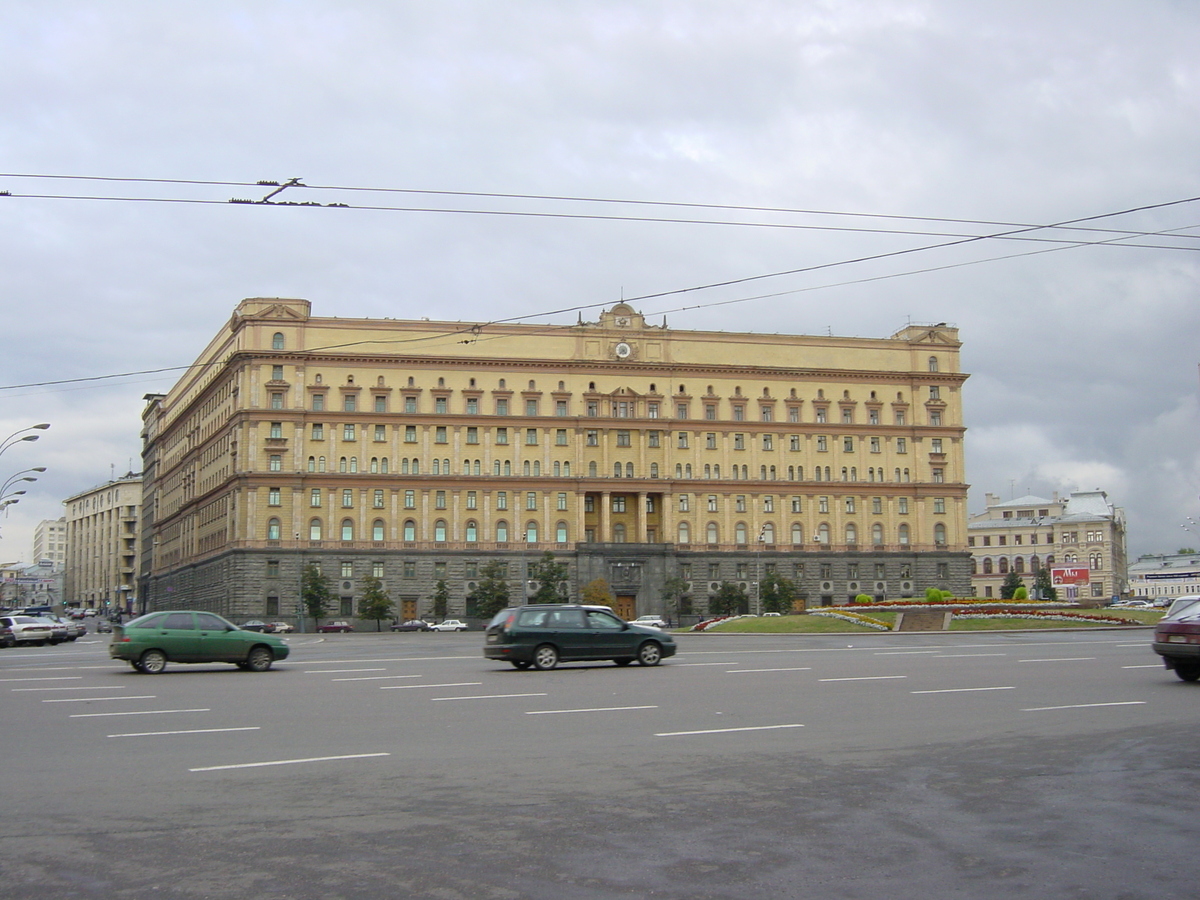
[(1041, 765)]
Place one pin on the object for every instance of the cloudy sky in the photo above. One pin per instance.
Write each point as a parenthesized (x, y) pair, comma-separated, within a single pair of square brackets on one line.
[(854, 145)]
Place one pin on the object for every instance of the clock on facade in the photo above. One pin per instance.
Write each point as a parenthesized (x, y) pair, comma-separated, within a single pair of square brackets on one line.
[(623, 350)]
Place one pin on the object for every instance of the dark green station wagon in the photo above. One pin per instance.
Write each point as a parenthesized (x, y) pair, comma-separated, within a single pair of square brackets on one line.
[(149, 642), (542, 636)]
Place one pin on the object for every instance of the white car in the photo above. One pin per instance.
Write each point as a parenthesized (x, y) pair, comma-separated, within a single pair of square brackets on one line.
[(25, 630), (650, 621), (449, 625)]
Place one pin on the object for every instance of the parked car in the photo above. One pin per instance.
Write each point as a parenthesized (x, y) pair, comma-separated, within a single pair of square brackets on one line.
[(255, 625), (74, 629), (25, 630), (650, 621), (543, 635), (335, 627), (449, 625), (149, 642), (59, 631), (1177, 639), (104, 627), (280, 628), (411, 625)]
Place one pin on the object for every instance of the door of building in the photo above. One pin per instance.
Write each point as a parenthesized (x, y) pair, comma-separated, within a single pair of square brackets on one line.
[(408, 610), (626, 606)]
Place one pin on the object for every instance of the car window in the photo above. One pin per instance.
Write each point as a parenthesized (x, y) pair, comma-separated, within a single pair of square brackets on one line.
[(24, 620), (566, 618), (209, 622), (597, 619), (1187, 612), (533, 618), (181, 621), (154, 620)]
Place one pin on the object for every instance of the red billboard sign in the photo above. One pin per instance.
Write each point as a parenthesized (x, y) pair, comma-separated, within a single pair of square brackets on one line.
[(1070, 575)]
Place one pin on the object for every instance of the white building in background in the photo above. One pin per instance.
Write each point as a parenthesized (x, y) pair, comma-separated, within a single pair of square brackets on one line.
[(50, 542), (1081, 537), (101, 569), (1165, 576)]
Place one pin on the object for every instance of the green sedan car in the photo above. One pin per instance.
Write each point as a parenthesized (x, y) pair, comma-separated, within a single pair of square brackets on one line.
[(148, 643)]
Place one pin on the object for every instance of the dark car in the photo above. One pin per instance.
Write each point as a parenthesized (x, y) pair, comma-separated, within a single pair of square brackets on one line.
[(256, 625), (1177, 638), (149, 642), (411, 625), (544, 635), (335, 627)]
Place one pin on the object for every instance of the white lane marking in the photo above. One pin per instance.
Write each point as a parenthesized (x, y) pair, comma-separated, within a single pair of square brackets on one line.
[(789, 669), (407, 687), (1150, 666), (97, 699), (376, 677), (963, 655), (685, 665), (488, 696), (140, 712), (965, 690), (864, 678), (1127, 646), (286, 762), (189, 731), (725, 730), (1059, 659), (903, 652), (340, 671), (1087, 705), (552, 712), (73, 688), (50, 678)]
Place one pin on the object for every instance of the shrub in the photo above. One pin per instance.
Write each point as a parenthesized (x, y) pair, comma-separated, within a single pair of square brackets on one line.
[(863, 598), (1021, 593)]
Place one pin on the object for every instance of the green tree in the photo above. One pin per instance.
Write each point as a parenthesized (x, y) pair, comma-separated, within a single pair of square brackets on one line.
[(551, 578), (441, 599), (1009, 586), (491, 594), (1186, 551), (375, 603), (598, 593), (1043, 588), (675, 597), (778, 594), (315, 595), (729, 600)]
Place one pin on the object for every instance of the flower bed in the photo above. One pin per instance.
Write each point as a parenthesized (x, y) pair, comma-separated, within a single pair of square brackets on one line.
[(856, 618), (1055, 615)]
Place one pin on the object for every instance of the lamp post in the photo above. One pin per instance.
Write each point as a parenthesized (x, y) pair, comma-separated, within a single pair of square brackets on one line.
[(19, 435), (762, 542), (300, 586)]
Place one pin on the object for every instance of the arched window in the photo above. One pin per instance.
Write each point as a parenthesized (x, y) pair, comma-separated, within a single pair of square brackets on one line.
[(312, 464), (537, 467), (466, 467), (1004, 565), (653, 470), (1033, 564), (797, 533), (508, 467), (739, 534), (531, 532), (314, 530), (496, 467), (437, 467), (678, 470), (374, 465), (343, 465), (687, 470), (628, 470), (320, 464), (347, 529), (618, 533), (877, 534), (903, 535), (528, 469), (567, 469), (273, 530), (410, 530), (416, 467), (354, 464), (592, 469), (707, 471), (472, 531), (561, 532), (277, 341), (714, 533), (823, 534), (616, 470), (987, 566), (377, 530), (1049, 560), (768, 533), (939, 534), (845, 474), (557, 468), (502, 532), (851, 533), (439, 531), (685, 533), (1019, 565)]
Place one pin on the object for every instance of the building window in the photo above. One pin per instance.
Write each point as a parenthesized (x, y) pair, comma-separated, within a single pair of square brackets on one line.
[(685, 503), (712, 503), (739, 412), (502, 407), (939, 476), (768, 442), (409, 568), (822, 443), (935, 392), (347, 498), (273, 530), (275, 462), (618, 503), (314, 530), (683, 440), (560, 437), (935, 445), (410, 530), (501, 435), (472, 500), (823, 505), (276, 400), (277, 341), (939, 505), (501, 499)]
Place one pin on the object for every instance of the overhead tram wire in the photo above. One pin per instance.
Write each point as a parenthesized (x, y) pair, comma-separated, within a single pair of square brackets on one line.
[(1014, 233)]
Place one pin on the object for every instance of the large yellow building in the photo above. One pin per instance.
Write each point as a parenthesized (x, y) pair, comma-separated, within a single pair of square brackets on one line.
[(420, 450)]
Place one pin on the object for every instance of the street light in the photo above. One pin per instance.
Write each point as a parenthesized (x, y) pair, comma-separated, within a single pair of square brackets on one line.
[(15, 437)]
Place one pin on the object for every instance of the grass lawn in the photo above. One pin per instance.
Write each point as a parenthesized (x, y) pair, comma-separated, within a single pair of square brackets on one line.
[(828, 625)]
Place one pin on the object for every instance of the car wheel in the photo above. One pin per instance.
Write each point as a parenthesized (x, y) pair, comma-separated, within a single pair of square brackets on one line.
[(622, 662), (1188, 671), (649, 654), (545, 657), (135, 665), (260, 659), (152, 662), (519, 664)]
